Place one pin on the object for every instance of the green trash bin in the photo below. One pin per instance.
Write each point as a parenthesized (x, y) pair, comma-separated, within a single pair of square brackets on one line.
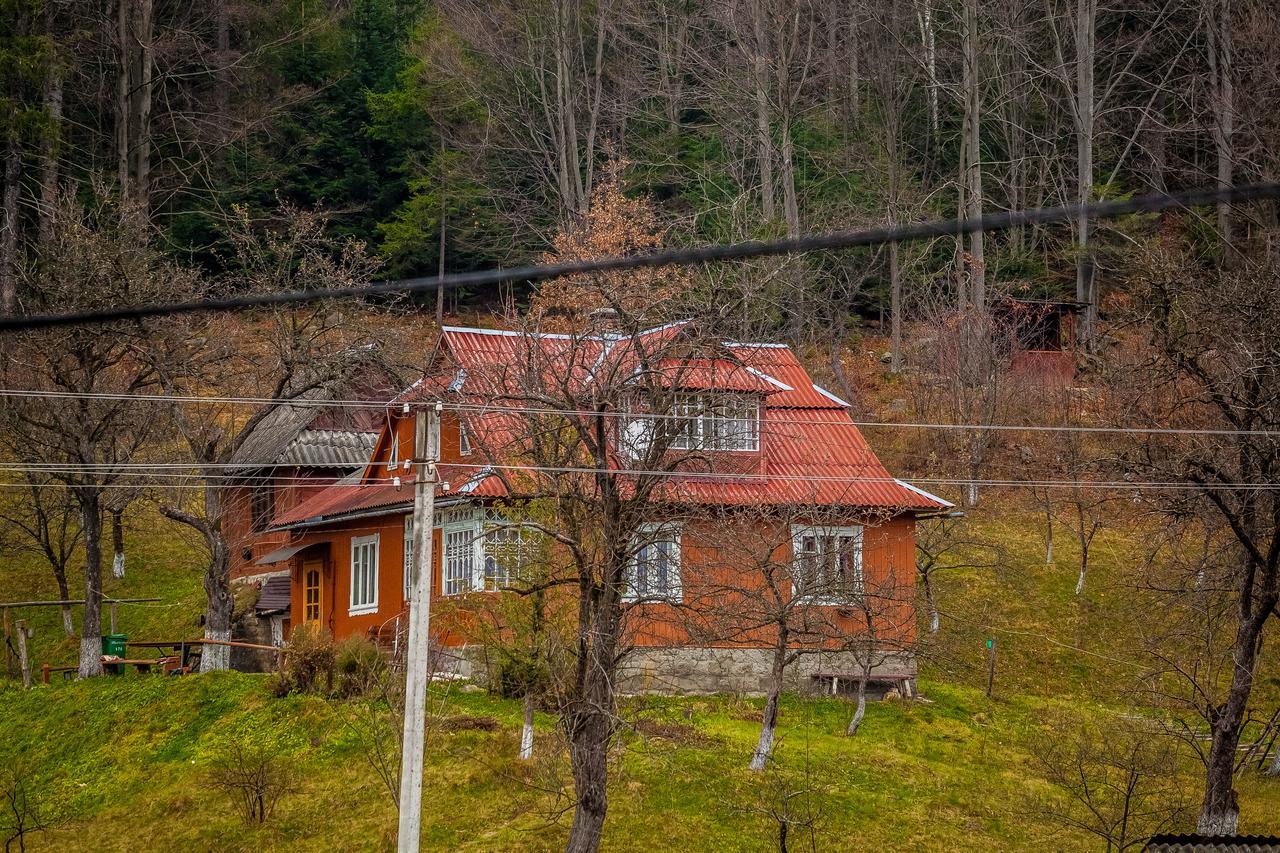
[(114, 644)]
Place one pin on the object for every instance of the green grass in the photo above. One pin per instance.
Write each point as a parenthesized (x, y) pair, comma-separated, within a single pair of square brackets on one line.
[(127, 761), (161, 562)]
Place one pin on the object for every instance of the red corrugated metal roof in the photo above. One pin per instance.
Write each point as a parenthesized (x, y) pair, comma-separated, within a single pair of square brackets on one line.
[(811, 451)]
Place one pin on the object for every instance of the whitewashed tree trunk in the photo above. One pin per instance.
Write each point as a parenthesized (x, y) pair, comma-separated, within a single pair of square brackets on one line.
[(861, 710), (117, 544), (90, 499), (526, 729), (769, 720)]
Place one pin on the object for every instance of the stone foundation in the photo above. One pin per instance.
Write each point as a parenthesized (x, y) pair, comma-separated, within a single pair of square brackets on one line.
[(746, 671), (694, 670)]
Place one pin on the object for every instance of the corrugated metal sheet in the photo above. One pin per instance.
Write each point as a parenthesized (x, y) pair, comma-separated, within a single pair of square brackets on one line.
[(811, 451), (329, 448), (275, 595)]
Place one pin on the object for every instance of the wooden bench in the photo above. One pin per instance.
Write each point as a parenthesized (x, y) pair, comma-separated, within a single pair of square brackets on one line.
[(115, 666), (67, 671), (905, 684)]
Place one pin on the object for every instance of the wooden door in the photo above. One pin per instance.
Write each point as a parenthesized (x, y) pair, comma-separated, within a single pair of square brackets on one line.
[(313, 591)]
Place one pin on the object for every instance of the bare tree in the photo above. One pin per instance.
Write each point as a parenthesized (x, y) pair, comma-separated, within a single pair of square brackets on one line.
[(1211, 350), (46, 521), (1122, 782), (92, 422), (289, 356), (948, 544)]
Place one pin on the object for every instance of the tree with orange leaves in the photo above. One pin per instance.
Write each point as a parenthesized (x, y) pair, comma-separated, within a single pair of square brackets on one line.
[(613, 226)]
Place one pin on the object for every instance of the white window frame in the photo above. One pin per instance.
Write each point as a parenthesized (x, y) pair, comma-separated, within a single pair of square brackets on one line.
[(407, 556), (646, 537), (464, 440), (356, 608), (498, 531), (706, 416), (817, 532), (461, 524)]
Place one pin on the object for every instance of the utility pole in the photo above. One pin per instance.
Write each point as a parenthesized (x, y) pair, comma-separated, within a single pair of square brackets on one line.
[(417, 665)]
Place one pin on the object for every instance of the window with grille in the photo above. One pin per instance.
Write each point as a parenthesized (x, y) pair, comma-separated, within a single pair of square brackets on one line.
[(717, 421), (827, 562), (509, 550), (654, 569), (459, 559), (364, 574)]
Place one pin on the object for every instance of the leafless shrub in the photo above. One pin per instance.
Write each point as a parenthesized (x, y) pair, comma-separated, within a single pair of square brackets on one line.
[(21, 811), (1120, 783), (254, 777)]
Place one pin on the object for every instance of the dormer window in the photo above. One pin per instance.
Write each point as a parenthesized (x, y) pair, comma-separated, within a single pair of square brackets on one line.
[(464, 440), (393, 458), (717, 420)]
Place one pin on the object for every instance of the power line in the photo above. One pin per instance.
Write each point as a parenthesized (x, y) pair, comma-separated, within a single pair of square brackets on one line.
[(669, 257)]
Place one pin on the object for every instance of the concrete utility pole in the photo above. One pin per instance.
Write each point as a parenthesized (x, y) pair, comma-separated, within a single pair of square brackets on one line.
[(417, 665)]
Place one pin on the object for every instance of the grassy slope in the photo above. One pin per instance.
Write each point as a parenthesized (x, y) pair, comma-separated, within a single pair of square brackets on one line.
[(127, 759)]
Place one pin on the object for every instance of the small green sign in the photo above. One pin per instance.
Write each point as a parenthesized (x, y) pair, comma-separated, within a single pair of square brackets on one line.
[(991, 642)]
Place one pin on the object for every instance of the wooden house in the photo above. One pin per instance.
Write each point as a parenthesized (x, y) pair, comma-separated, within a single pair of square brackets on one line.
[(786, 449)]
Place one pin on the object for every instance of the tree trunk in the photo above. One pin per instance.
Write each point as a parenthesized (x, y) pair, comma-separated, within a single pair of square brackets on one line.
[(929, 42), (90, 500), (973, 152), (9, 225), (117, 543), (49, 168), (526, 729), (895, 309), (124, 88), (218, 610), (64, 592), (1086, 538), (769, 720), (1086, 15), (142, 144), (861, 711), (1220, 67), (934, 619), (440, 259), (590, 729), (790, 202), (764, 132)]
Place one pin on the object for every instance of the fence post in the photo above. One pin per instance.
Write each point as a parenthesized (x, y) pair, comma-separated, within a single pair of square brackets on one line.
[(44, 673), (113, 617), (22, 654)]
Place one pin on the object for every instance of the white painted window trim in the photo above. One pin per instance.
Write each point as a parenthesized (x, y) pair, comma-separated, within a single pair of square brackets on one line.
[(464, 440), (406, 558), (357, 543), (798, 531), (646, 535), (472, 527), (698, 403)]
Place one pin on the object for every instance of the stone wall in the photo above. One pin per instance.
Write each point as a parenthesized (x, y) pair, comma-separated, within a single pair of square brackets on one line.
[(694, 670), (742, 671)]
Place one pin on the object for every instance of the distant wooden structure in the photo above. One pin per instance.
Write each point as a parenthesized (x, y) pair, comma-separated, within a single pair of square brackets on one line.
[(1042, 338)]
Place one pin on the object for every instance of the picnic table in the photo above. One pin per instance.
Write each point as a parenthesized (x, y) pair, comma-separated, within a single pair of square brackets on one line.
[(115, 666)]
